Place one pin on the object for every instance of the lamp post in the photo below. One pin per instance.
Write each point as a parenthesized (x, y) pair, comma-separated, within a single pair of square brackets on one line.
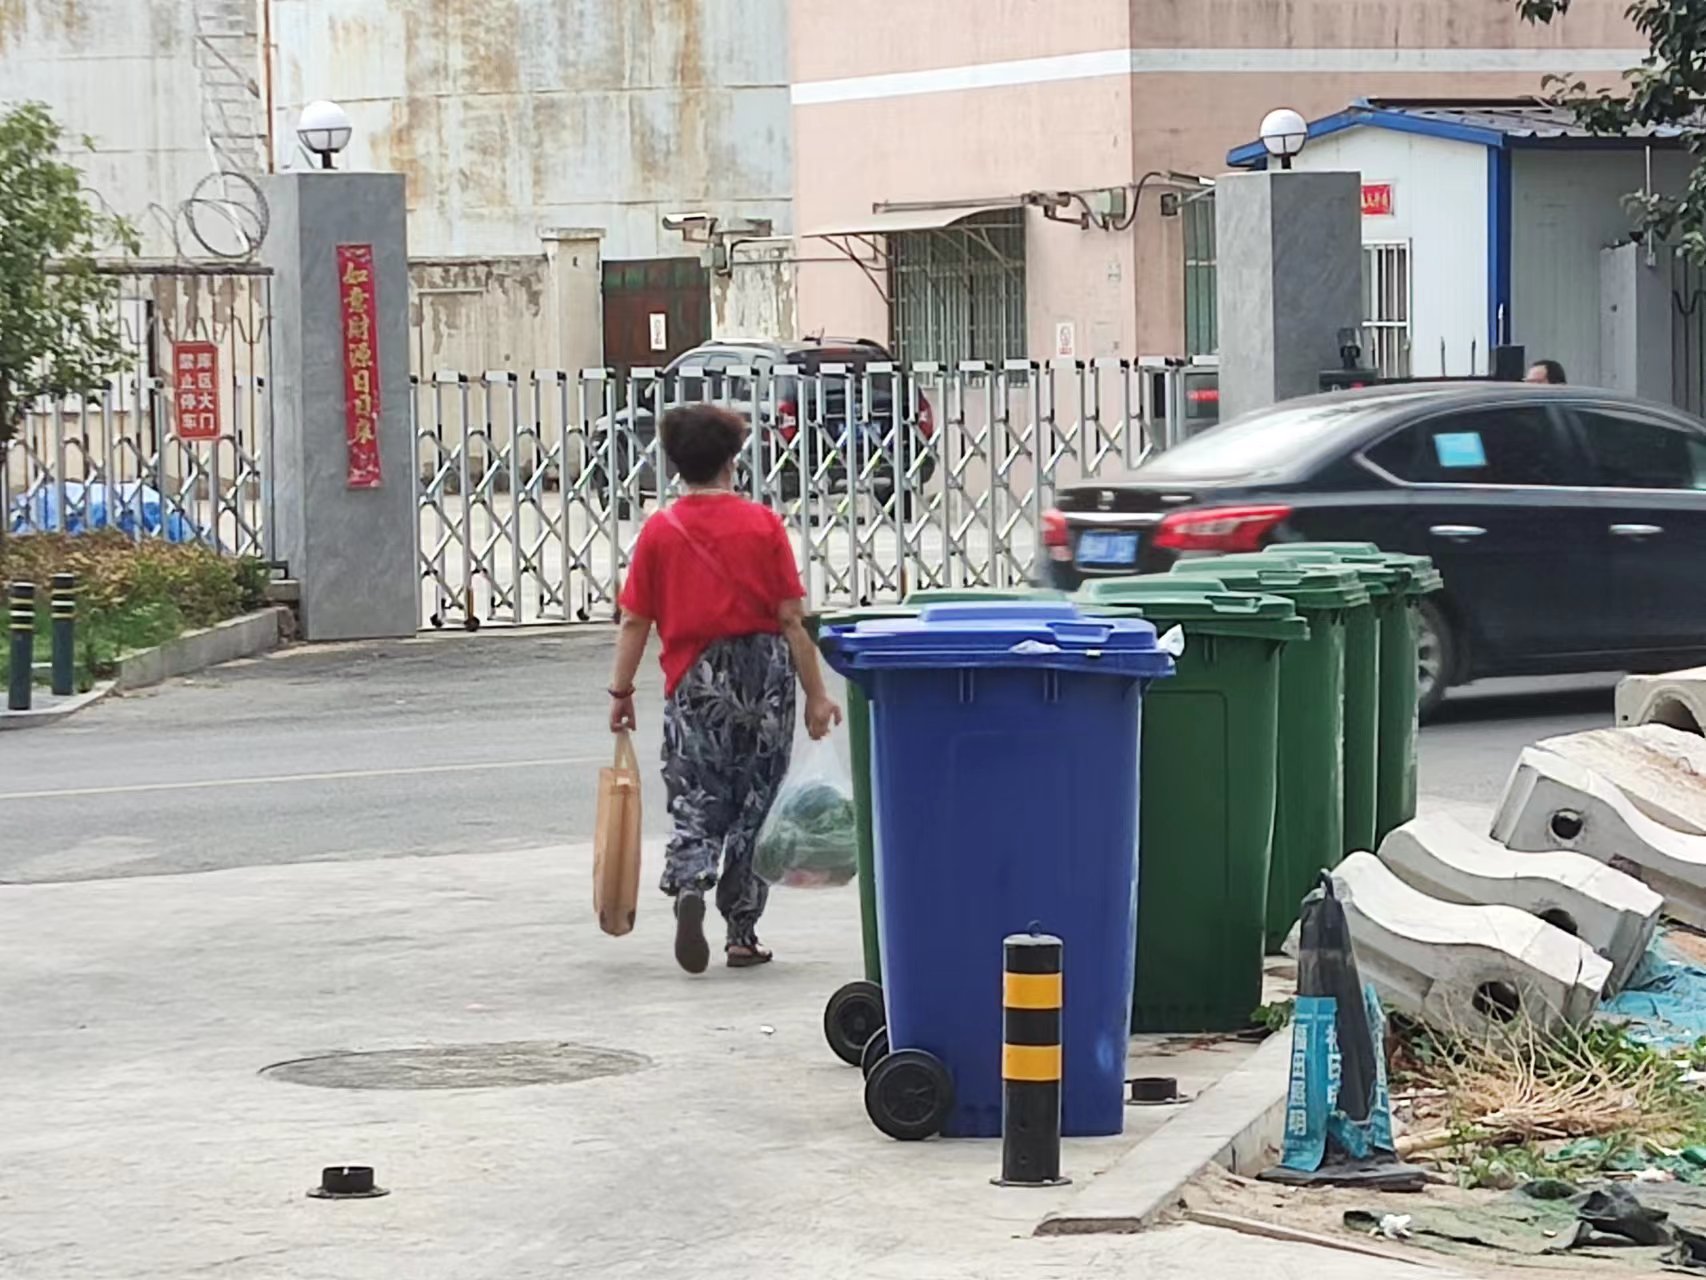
[(324, 129), (1284, 133)]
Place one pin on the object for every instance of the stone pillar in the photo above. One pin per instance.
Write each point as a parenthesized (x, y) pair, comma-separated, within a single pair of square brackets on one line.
[(1288, 251), (1635, 318), (352, 549)]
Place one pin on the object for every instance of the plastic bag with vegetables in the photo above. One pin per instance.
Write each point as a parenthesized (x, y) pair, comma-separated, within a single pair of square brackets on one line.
[(809, 839)]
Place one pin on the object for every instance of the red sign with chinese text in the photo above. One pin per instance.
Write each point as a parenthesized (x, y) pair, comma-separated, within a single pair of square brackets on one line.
[(195, 387), (1377, 200), (358, 305)]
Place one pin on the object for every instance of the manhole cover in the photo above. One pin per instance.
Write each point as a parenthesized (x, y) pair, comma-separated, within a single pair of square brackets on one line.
[(460, 1066)]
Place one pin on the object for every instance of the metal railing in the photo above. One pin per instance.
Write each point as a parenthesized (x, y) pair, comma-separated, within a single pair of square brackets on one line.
[(533, 487), (115, 459)]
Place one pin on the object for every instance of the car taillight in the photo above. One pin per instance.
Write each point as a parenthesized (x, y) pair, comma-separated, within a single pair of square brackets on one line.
[(787, 420), (927, 424), (1219, 528), (1056, 536)]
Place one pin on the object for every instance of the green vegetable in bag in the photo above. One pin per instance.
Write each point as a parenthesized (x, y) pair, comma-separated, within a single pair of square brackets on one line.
[(809, 838)]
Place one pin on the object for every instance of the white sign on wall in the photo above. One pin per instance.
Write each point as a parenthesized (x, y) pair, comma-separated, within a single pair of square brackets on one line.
[(1065, 339), (660, 331)]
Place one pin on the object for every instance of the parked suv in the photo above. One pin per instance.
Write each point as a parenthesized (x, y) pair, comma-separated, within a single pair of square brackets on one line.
[(787, 396)]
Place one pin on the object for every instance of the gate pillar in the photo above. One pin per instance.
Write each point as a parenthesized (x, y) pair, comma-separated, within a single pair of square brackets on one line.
[(1289, 277), (343, 449), (1636, 316)]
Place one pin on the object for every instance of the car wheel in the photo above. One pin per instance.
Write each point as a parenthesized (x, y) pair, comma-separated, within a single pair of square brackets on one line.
[(1436, 657)]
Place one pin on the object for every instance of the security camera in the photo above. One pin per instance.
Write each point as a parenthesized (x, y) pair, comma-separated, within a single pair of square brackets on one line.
[(684, 221)]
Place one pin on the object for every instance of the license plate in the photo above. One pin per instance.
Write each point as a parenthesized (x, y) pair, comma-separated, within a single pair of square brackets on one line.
[(1106, 548)]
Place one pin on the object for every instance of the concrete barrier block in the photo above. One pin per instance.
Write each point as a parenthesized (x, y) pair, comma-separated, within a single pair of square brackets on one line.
[(1467, 968), (1676, 699), (1661, 769), (1551, 803), (1613, 913)]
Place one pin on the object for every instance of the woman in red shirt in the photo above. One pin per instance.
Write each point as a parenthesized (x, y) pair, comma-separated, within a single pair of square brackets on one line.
[(715, 574)]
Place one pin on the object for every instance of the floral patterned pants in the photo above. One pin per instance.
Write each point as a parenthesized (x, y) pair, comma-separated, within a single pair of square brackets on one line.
[(728, 730)]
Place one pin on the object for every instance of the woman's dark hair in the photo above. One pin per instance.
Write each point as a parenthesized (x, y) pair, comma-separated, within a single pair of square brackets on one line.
[(701, 440), (1554, 371)]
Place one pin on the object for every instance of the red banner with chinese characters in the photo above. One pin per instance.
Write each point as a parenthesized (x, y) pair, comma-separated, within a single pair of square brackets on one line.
[(359, 307), (1377, 200), (195, 386)]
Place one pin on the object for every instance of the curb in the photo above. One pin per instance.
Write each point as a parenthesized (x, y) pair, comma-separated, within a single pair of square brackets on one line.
[(194, 651), (59, 709), (1233, 1124), (243, 637)]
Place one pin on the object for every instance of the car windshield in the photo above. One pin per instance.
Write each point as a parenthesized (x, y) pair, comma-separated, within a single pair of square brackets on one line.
[(1259, 443)]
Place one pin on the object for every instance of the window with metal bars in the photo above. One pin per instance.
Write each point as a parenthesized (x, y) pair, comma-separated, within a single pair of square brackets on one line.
[(959, 292), (1202, 318), (1386, 307)]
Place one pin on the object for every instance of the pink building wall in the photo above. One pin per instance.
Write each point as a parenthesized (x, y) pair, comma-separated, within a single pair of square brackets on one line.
[(910, 100)]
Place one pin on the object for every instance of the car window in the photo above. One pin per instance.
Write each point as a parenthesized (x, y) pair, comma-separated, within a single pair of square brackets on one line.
[(1261, 442), (1506, 444), (1633, 452)]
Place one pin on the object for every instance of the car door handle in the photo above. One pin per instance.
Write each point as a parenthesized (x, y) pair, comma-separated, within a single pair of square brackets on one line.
[(1458, 532), (1637, 530)]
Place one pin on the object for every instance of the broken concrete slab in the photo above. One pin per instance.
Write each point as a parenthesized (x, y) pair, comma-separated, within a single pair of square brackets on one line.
[(1661, 769), (1613, 913), (1552, 803), (1676, 699), (1468, 968)]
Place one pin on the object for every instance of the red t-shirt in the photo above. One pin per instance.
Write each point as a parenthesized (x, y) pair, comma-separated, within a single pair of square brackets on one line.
[(710, 567)]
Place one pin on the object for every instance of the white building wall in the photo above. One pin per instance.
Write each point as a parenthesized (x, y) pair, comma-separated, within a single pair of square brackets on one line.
[(1566, 206), (1439, 194), (123, 73), (514, 116)]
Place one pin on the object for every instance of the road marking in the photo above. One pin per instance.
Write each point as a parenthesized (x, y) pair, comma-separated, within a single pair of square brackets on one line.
[(284, 779)]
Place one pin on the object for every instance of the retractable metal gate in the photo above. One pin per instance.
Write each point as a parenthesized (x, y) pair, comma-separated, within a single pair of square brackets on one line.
[(533, 487)]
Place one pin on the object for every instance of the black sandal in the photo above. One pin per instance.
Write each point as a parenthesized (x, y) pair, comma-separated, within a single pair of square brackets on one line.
[(692, 952), (753, 955)]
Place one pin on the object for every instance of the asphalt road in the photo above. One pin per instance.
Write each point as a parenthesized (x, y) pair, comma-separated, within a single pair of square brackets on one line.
[(451, 744)]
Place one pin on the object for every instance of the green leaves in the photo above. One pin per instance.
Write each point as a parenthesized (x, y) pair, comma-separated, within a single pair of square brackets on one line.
[(1665, 92), (59, 326)]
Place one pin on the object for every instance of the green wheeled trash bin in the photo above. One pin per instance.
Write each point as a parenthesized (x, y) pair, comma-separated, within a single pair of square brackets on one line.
[(853, 1019), (1209, 770), (1395, 768), (1309, 814), (1362, 686)]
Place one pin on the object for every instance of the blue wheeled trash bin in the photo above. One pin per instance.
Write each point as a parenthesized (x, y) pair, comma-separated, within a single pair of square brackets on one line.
[(1004, 755)]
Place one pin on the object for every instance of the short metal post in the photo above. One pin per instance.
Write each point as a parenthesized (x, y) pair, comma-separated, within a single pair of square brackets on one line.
[(64, 634), (1031, 1062), (21, 597)]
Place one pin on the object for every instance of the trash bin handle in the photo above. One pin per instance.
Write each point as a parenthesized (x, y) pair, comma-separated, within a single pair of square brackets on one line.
[(1233, 602), (1095, 632)]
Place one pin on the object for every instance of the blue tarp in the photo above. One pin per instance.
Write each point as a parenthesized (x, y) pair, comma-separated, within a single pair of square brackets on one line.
[(132, 508), (1665, 1001)]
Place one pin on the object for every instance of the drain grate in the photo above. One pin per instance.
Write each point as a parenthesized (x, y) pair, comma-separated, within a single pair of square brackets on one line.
[(460, 1066)]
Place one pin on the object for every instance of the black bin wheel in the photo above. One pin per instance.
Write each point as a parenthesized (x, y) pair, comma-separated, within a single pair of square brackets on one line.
[(909, 1095), (853, 1015), (875, 1050)]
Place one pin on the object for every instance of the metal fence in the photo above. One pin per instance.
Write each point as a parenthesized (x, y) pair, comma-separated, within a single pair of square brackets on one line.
[(534, 487), (115, 459)]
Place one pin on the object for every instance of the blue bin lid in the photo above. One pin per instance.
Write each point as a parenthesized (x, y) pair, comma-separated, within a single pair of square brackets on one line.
[(1056, 635)]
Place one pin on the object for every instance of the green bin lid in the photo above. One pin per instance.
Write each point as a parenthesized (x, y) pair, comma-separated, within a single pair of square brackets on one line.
[(1309, 586), (978, 595), (1419, 577), (1380, 577), (1201, 606)]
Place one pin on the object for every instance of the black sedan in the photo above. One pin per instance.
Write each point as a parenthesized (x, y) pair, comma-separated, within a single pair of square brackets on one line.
[(1570, 523)]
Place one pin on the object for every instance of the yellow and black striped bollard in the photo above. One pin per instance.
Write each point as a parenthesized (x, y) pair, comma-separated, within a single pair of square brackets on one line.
[(21, 602), (1030, 1062), (64, 634)]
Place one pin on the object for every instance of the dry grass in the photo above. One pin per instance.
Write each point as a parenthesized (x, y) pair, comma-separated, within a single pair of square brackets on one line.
[(1515, 1086)]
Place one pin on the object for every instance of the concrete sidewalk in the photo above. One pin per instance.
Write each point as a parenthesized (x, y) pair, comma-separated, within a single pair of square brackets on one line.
[(140, 1140)]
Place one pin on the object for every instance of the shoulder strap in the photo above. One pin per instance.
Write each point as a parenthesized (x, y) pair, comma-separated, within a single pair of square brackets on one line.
[(710, 561)]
